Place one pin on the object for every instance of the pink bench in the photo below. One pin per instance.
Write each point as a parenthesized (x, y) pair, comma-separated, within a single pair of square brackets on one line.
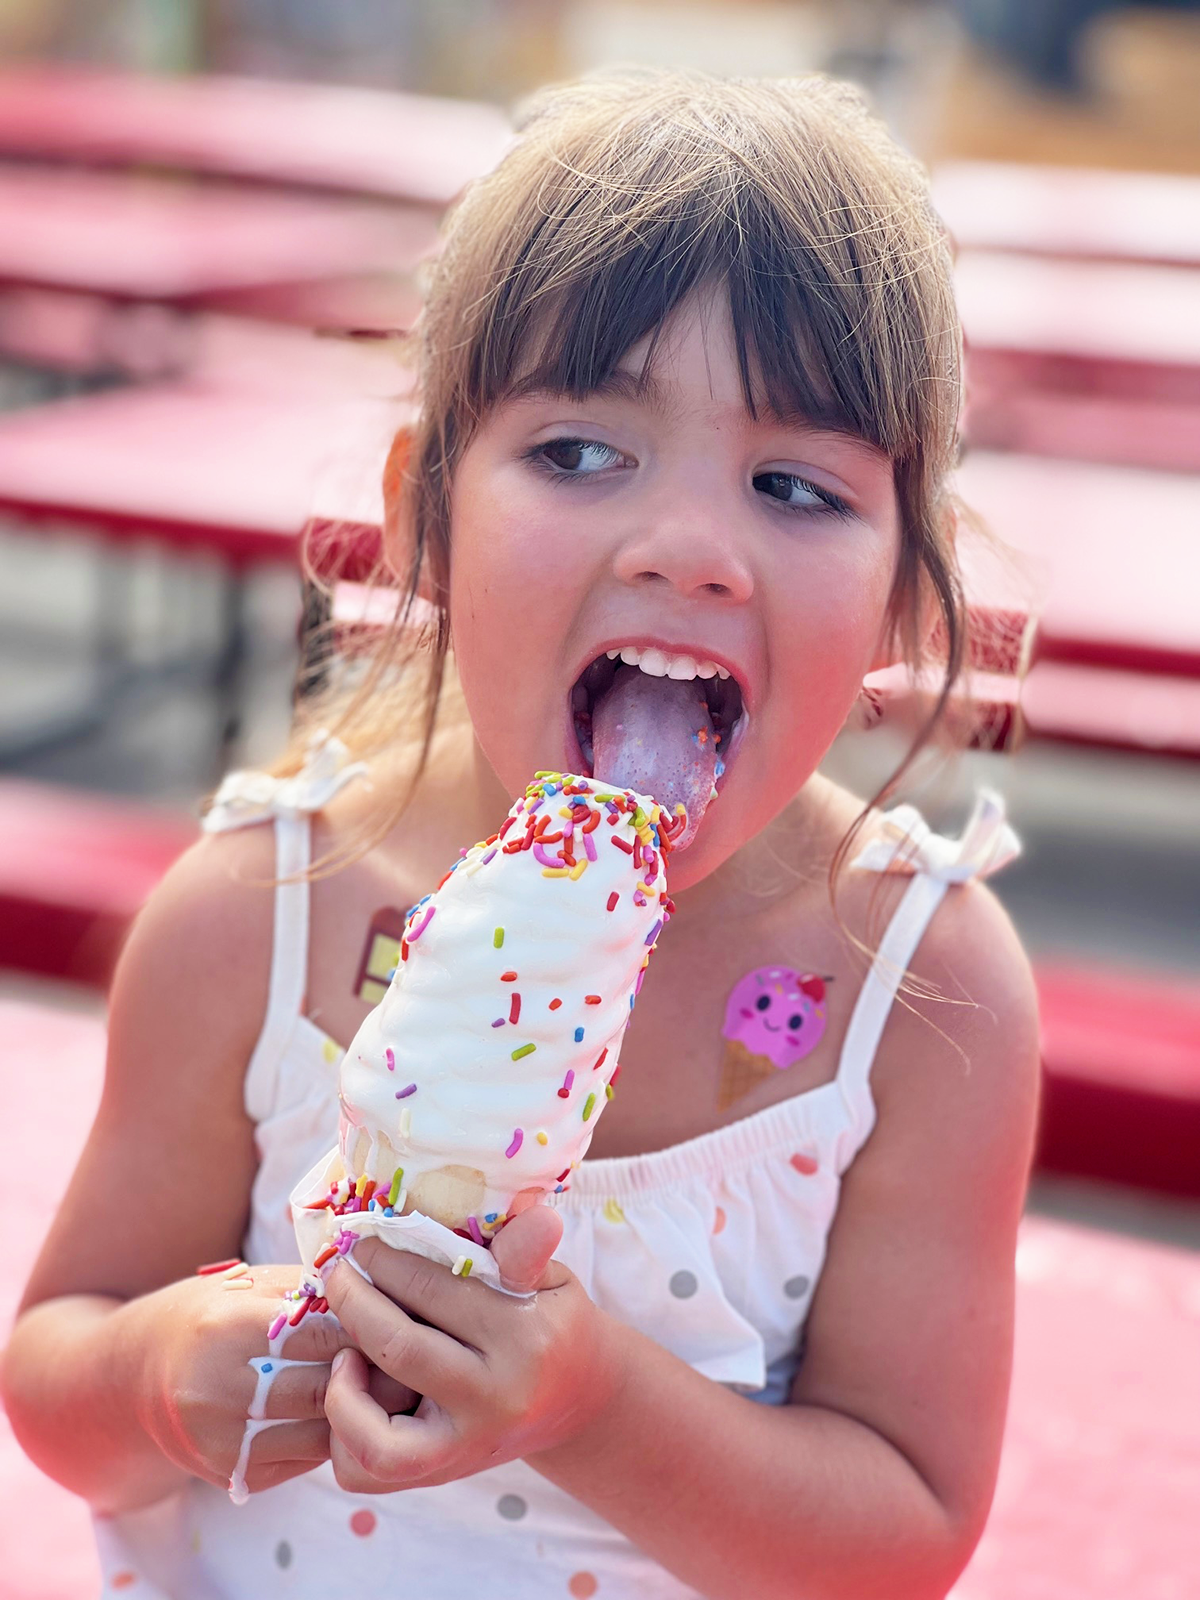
[(1107, 555), (74, 870), (1121, 1098)]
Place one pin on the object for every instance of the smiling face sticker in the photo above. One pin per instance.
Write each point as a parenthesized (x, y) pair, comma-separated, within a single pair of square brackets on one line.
[(776, 1012)]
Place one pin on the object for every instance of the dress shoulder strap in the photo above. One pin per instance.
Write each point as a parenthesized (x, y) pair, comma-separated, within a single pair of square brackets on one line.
[(247, 798), (906, 844)]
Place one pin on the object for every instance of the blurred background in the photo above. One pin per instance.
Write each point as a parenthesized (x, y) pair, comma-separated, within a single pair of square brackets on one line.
[(209, 215)]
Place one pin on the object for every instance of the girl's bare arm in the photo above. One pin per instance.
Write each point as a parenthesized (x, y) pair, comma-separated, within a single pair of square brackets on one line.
[(162, 1185), (875, 1483)]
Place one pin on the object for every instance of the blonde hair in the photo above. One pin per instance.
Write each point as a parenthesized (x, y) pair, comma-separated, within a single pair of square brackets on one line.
[(627, 191)]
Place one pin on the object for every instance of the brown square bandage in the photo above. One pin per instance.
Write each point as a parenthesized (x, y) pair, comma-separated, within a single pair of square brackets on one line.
[(380, 954)]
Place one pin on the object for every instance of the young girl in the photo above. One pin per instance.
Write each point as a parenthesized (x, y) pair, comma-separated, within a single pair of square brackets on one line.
[(690, 375)]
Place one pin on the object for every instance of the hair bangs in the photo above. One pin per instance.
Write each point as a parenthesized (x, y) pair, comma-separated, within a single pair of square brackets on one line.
[(812, 345)]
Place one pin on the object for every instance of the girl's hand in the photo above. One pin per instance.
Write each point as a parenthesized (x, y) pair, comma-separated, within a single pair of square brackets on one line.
[(500, 1377), (198, 1385)]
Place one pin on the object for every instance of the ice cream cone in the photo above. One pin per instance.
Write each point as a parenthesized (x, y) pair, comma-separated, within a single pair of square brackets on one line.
[(741, 1071), (448, 1194)]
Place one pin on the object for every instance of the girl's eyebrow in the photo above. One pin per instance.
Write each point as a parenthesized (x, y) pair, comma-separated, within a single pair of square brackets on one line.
[(621, 384)]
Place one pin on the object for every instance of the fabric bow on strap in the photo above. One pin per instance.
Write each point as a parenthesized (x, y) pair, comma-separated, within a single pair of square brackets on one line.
[(248, 797), (907, 844)]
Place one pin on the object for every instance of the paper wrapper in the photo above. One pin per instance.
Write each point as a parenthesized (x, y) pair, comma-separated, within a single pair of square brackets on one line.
[(415, 1232)]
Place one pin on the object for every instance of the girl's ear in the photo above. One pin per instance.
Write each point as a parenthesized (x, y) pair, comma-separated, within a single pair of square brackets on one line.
[(397, 533)]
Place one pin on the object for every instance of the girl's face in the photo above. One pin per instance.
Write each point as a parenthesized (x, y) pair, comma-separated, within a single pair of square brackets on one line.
[(680, 524)]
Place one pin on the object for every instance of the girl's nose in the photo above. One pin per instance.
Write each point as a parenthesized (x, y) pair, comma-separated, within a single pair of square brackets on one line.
[(695, 554)]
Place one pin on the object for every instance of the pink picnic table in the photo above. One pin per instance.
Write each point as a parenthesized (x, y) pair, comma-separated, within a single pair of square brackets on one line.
[(1163, 435), (195, 466), (233, 472), (1109, 556), (365, 141), (131, 237), (1099, 1478), (1127, 330), (1086, 213)]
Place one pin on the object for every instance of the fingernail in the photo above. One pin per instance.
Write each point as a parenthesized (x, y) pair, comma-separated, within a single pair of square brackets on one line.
[(339, 1359)]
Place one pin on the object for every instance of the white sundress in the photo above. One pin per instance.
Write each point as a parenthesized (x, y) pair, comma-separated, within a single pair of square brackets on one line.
[(713, 1247)]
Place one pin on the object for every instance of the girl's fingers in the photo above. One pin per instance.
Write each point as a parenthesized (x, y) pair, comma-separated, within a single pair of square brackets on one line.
[(291, 1441), (371, 1451), (462, 1307), (317, 1337), (392, 1396), (424, 1358), (298, 1392), (524, 1248)]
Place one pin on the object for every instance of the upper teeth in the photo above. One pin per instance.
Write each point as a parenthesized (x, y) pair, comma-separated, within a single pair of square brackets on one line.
[(661, 665)]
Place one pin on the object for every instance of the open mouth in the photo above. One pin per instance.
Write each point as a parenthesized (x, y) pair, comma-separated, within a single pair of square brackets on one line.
[(722, 696)]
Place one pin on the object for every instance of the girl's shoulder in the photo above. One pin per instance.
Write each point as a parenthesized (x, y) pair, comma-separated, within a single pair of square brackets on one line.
[(957, 1072), (963, 1023), (969, 982)]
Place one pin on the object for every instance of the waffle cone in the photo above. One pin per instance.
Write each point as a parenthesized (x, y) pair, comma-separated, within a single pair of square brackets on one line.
[(741, 1071)]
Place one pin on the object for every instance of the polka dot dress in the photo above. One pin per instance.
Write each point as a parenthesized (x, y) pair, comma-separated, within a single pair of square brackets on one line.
[(713, 1247)]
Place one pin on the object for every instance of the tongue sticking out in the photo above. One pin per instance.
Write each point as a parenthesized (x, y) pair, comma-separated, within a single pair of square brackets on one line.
[(655, 735)]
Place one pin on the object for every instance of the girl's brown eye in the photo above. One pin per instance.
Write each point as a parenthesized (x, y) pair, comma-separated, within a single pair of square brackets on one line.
[(569, 455), (779, 486)]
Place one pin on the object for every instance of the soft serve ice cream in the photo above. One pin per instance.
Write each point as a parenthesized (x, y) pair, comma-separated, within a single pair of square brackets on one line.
[(473, 1089)]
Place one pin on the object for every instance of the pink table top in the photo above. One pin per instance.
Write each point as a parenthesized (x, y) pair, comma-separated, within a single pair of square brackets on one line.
[(402, 146), (237, 472), (134, 237), (1071, 211), (1101, 311), (1110, 555)]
